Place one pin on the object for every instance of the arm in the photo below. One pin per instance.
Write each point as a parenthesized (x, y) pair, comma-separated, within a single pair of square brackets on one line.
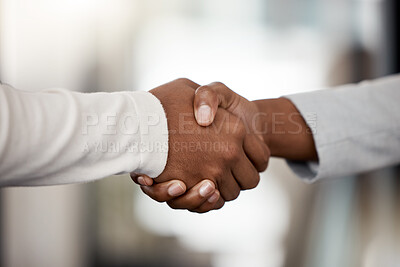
[(60, 137), (356, 128), (285, 131), (224, 153), (347, 130)]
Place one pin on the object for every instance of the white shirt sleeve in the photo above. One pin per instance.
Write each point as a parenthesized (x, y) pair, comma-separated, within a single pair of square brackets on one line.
[(356, 128), (60, 137)]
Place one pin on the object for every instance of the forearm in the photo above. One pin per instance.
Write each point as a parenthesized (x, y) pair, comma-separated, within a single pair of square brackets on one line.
[(285, 131), (58, 137), (356, 127)]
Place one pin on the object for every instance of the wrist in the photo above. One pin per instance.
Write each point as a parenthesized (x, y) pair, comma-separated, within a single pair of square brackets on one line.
[(285, 131), (270, 110), (153, 131)]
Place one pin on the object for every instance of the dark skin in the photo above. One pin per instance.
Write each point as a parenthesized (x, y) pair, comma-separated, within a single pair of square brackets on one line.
[(224, 153), (276, 121), (288, 136)]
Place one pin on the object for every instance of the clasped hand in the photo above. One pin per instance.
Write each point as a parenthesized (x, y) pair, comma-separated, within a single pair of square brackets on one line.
[(215, 147)]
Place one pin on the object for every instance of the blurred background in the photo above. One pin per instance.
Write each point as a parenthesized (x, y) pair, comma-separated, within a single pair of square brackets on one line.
[(260, 49)]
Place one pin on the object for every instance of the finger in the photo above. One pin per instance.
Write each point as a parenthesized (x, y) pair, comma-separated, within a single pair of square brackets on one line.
[(245, 173), (257, 151), (208, 98), (205, 105), (228, 187), (195, 197), (165, 191), (210, 204), (141, 179), (220, 203)]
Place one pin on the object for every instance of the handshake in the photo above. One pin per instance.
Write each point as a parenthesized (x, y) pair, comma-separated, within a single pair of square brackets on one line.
[(219, 142)]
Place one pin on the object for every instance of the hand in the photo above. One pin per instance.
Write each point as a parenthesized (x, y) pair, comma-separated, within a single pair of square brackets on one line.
[(276, 121), (290, 137), (209, 98), (201, 198), (231, 169)]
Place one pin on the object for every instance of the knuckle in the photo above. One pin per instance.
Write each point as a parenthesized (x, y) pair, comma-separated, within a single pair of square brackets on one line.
[(264, 160), (253, 182), (218, 84), (183, 80), (221, 87), (219, 206), (263, 166), (233, 154), (205, 90), (173, 205), (187, 82), (232, 195), (216, 172)]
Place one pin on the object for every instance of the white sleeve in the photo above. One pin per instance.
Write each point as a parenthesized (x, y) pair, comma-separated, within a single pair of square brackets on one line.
[(61, 137), (356, 128)]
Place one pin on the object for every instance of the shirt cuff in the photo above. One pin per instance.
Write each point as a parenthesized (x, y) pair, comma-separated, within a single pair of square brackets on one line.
[(307, 171), (153, 147)]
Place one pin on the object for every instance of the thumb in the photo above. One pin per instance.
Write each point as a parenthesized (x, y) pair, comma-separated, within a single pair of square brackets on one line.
[(208, 98)]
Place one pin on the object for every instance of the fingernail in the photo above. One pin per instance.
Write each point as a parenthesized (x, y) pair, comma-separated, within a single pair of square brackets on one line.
[(213, 198), (204, 114), (206, 189), (175, 190), (141, 180)]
